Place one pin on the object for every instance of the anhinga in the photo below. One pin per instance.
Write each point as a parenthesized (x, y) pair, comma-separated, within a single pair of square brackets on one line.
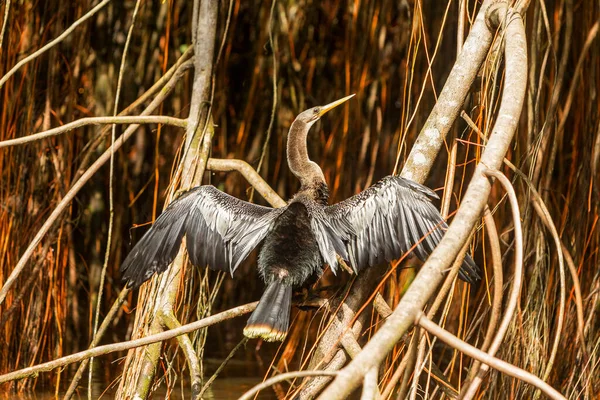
[(376, 225)]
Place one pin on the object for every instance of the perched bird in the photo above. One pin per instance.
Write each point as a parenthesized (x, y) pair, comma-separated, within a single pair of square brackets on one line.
[(376, 225)]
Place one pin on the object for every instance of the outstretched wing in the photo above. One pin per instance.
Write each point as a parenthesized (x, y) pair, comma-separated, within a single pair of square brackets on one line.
[(220, 231), (385, 221)]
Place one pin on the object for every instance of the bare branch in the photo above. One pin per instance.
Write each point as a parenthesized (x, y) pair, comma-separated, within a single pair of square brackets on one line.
[(169, 320), (431, 274), (161, 292), (283, 377), (496, 363), (434, 131), (370, 388), (4, 22), (516, 286), (250, 174), (131, 344), (449, 103), (150, 119)]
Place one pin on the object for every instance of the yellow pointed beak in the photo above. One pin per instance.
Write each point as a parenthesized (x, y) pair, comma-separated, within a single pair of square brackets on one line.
[(333, 105)]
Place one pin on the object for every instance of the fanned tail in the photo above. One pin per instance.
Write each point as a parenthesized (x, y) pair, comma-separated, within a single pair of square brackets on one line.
[(270, 320)]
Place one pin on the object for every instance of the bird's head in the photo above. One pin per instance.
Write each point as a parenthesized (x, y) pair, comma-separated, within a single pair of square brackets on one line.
[(313, 114)]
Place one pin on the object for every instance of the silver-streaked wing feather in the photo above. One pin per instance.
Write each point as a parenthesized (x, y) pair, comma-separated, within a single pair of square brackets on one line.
[(220, 231), (385, 221)]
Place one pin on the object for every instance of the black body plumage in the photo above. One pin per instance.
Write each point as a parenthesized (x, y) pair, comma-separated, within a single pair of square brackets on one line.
[(379, 224), (290, 252)]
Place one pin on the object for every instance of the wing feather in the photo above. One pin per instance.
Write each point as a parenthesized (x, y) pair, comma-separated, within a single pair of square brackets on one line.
[(220, 232), (385, 221)]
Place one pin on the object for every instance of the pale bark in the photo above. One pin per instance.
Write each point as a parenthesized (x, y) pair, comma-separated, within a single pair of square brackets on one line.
[(431, 274)]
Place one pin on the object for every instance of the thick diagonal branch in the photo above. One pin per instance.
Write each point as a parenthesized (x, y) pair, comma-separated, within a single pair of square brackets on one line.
[(432, 273)]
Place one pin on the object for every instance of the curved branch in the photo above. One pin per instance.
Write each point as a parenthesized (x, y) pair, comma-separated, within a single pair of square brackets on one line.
[(562, 255), (485, 358), (494, 243), (250, 174), (475, 199), (111, 348), (283, 377), (432, 135), (150, 119), (516, 287)]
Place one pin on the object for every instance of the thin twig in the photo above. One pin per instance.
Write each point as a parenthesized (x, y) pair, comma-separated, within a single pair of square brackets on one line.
[(4, 22), (518, 276), (283, 377), (223, 364), (178, 67), (54, 42), (273, 43), (544, 214), (592, 34), (85, 177), (101, 331), (485, 358), (494, 242)]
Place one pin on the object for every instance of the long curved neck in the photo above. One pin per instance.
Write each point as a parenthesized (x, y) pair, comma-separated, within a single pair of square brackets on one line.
[(308, 172)]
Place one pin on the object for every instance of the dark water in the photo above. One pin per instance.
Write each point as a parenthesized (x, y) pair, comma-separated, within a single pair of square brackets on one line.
[(225, 388), (246, 369), (239, 375)]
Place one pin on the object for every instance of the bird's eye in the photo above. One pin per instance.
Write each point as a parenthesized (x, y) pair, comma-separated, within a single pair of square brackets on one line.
[(316, 110)]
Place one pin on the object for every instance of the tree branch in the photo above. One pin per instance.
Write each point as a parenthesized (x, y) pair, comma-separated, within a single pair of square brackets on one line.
[(485, 358), (283, 377), (160, 296), (475, 199), (450, 101), (150, 119), (131, 344), (250, 174)]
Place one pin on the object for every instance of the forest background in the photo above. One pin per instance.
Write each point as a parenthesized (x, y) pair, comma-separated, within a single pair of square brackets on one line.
[(266, 62)]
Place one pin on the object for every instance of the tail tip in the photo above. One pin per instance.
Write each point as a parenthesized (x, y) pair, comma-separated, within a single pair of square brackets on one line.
[(265, 332)]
